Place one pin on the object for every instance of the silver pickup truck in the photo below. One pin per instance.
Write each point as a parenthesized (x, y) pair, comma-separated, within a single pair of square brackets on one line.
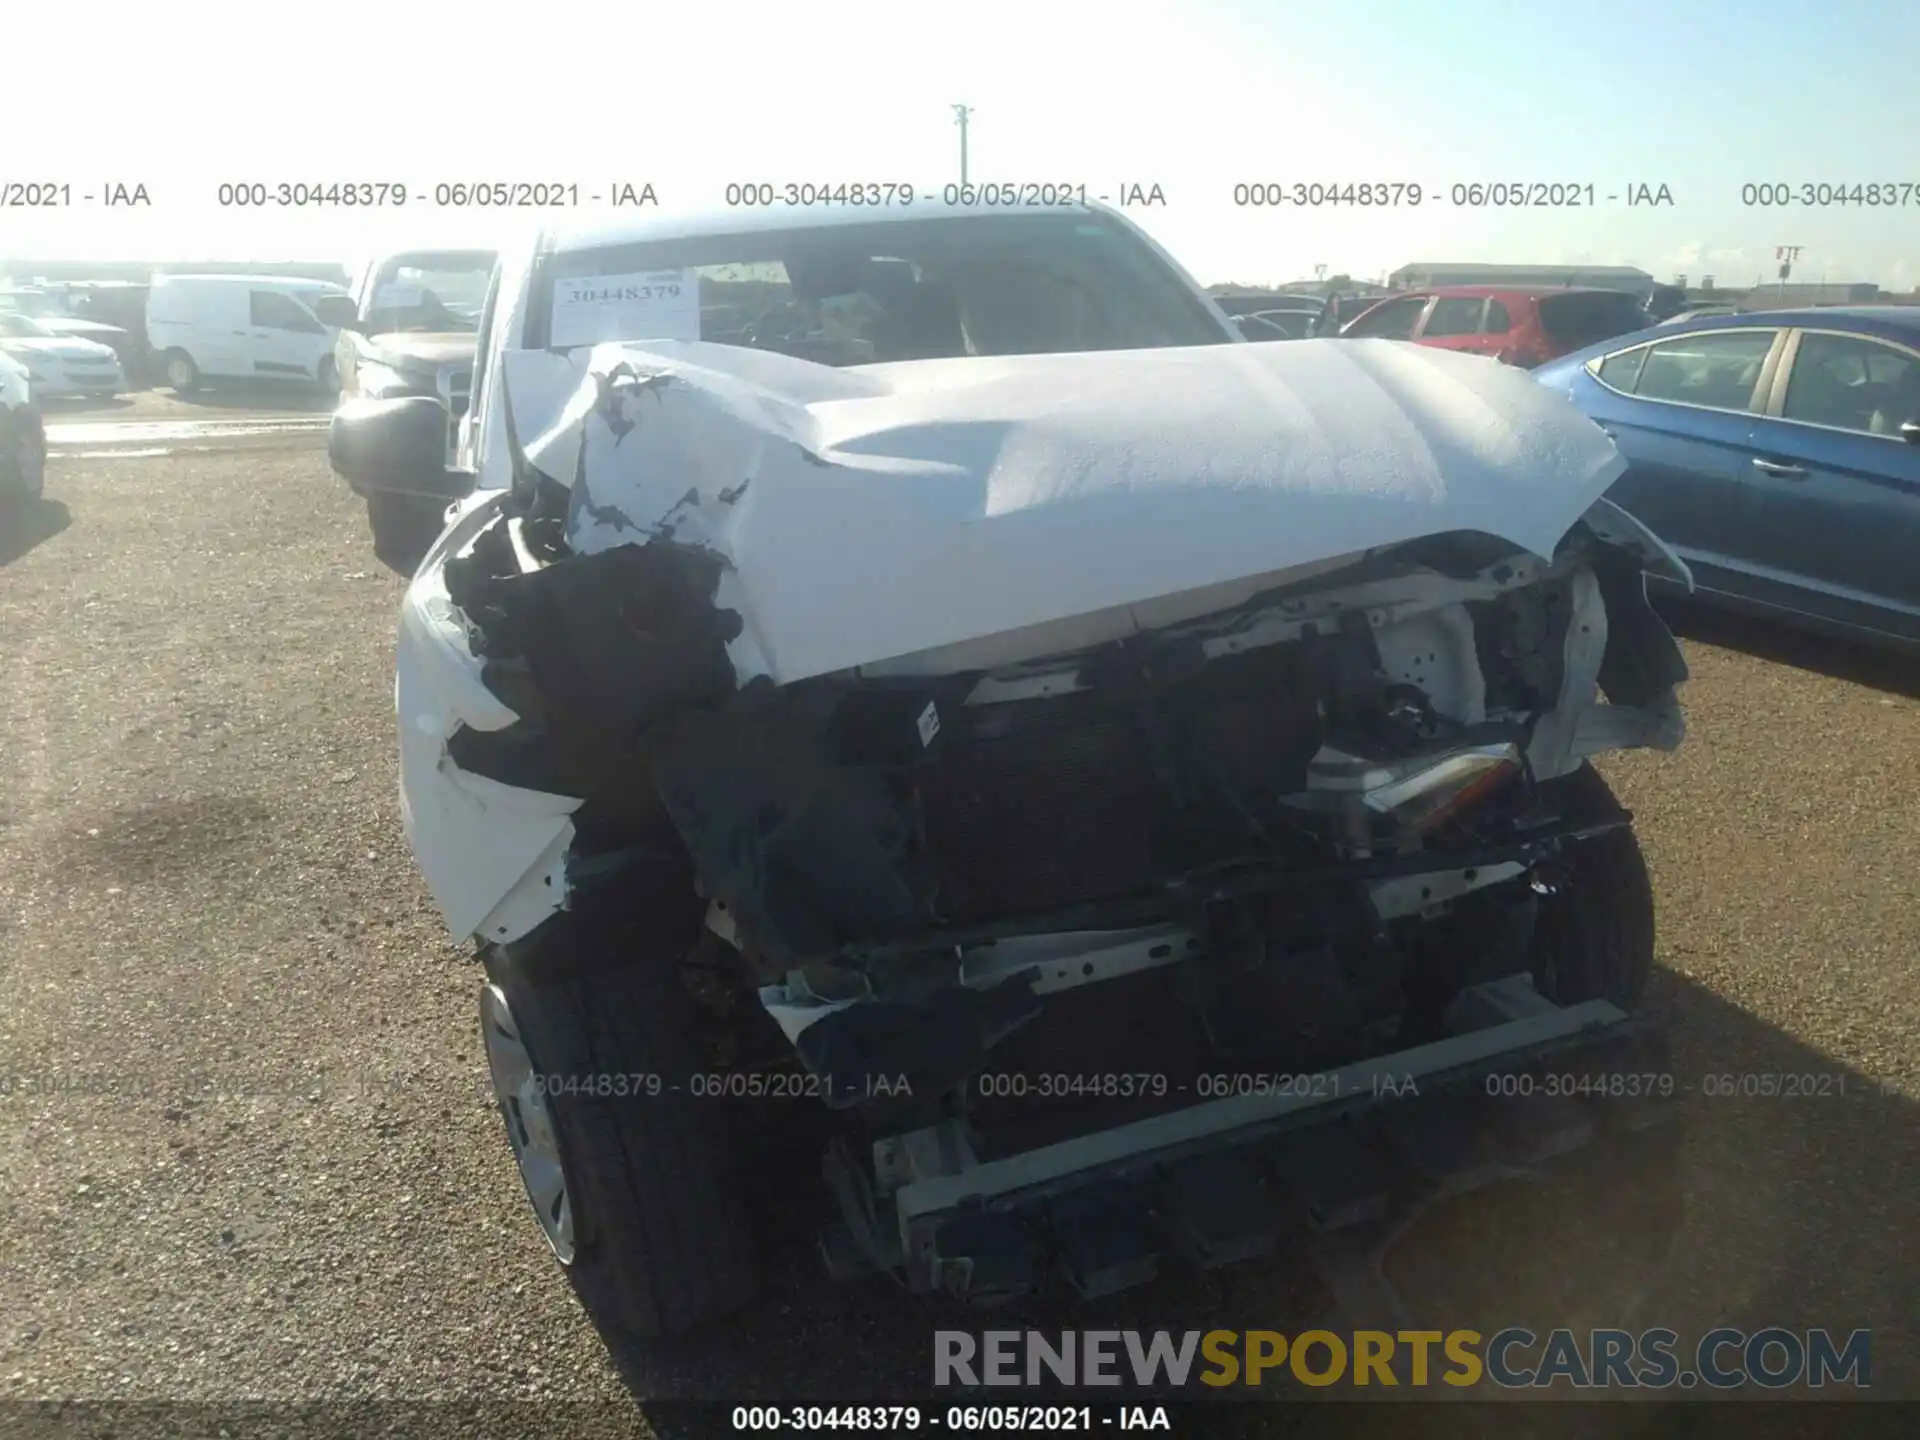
[(409, 329)]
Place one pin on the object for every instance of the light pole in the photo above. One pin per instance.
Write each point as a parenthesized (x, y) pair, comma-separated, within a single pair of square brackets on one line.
[(1786, 255), (960, 114)]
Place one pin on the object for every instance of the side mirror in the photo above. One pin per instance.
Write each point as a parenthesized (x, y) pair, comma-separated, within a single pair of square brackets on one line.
[(337, 312), (397, 446)]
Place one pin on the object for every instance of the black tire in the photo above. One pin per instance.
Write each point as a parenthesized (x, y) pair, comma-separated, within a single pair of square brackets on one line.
[(662, 1243), (23, 456), (181, 374), (404, 528), (1593, 938)]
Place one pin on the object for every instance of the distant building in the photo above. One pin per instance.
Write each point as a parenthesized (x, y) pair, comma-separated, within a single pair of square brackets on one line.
[(1428, 275), (1792, 296)]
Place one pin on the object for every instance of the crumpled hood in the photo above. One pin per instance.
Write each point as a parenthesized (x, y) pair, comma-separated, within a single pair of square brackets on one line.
[(882, 511), (413, 350)]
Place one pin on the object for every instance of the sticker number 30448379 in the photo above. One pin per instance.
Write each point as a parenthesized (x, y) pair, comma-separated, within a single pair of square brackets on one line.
[(643, 305)]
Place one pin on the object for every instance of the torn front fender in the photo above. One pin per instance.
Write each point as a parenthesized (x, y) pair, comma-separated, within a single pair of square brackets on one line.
[(492, 855), (1619, 527)]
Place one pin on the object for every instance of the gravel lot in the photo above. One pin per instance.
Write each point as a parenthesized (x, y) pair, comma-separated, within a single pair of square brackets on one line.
[(207, 898), (216, 402)]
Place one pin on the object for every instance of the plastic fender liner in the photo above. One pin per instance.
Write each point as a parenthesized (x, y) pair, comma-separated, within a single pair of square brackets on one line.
[(606, 645)]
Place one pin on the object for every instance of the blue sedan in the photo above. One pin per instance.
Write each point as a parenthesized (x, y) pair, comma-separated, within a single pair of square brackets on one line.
[(1778, 452)]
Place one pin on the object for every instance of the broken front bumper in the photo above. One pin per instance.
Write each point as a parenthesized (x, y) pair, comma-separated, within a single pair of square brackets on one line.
[(1351, 1152)]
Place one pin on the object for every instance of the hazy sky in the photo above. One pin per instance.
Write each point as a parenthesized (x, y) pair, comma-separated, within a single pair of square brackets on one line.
[(1700, 95)]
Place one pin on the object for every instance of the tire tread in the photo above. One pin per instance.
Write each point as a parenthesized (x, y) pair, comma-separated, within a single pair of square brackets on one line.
[(662, 1238)]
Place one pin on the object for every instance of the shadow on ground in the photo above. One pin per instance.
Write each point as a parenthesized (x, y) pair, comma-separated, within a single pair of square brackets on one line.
[(26, 523), (59, 407), (240, 396), (1763, 1231), (1768, 639)]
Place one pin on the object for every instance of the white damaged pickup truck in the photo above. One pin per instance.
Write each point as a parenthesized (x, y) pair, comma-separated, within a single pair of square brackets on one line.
[(924, 672)]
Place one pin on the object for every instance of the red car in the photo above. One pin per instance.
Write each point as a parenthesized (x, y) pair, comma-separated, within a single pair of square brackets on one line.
[(1523, 326)]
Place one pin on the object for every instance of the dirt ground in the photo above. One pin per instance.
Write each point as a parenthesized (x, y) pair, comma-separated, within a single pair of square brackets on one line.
[(301, 1190), (210, 402)]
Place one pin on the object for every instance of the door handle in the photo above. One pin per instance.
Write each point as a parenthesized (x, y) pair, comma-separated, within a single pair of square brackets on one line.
[(1775, 467)]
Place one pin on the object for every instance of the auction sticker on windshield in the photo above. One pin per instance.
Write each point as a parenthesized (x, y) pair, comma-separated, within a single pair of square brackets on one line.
[(646, 305)]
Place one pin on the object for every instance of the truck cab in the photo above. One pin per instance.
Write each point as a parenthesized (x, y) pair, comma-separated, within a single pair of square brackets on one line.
[(408, 329)]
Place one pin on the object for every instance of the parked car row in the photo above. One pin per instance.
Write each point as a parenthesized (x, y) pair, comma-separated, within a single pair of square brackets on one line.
[(182, 331), (55, 309)]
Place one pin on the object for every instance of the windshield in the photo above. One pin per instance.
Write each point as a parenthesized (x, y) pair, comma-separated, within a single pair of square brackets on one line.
[(899, 290), (19, 326), (437, 292)]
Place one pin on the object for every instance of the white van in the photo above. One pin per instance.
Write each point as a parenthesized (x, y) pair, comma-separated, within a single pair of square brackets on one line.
[(241, 327)]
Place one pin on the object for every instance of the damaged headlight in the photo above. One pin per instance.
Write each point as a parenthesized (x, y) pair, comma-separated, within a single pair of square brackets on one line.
[(1429, 796), (1419, 794)]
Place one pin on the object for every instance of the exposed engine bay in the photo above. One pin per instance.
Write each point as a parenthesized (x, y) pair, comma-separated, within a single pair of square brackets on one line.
[(1323, 810)]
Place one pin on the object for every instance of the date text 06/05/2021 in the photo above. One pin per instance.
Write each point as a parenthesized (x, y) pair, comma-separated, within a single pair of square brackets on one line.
[(810, 1419), (442, 194)]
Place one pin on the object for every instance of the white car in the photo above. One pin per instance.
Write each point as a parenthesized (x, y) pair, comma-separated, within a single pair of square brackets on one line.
[(23, 440), (60, 365), (922, 665)]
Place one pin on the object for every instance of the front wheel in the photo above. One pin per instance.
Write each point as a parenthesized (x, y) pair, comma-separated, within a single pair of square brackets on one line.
[(23, 455), (628, 1172), (1593, 937)]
